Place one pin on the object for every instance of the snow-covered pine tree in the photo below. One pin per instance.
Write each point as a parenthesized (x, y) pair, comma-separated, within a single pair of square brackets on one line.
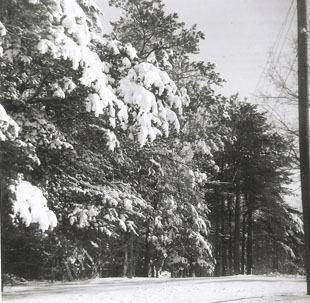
[(56, 65)]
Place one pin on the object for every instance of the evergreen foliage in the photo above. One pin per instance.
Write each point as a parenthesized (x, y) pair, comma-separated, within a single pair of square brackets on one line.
[(127, 144)]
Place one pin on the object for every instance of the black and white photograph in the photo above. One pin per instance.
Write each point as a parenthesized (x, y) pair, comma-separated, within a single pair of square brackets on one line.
[(154, 151)]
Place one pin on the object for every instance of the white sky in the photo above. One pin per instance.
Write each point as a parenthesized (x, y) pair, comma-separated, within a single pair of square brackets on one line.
[(239, 35)]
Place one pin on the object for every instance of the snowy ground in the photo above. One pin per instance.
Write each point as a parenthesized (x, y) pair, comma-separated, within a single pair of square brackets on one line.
[(142, 290)]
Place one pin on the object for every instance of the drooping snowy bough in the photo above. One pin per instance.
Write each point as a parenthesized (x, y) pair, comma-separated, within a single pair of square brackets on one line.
[(28, 201), (52, 53), (30, 205)]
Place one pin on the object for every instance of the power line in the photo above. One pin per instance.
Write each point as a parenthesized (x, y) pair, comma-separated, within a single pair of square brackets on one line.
[(282, 47), (272, 64), (275, 45), (274, 48)]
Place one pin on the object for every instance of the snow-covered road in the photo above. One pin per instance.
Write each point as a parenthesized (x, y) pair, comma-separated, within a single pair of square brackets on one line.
[(142, 290)]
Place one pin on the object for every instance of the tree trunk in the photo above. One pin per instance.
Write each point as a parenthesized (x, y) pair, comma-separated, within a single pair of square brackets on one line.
[(275, 262), (130, 257), (224, 256), (68, 271), (128, 265), (237, 229), (192, 269), (223, 238), (147, 256), (230, 256), (249, 246), (243, 243), (125, 264), (216, 244), (230, 250)]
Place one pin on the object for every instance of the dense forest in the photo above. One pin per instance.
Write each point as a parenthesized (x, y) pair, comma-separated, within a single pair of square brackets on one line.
[(118, 157)]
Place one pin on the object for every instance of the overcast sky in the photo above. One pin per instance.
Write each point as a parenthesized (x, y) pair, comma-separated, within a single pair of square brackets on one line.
[(239, 34)]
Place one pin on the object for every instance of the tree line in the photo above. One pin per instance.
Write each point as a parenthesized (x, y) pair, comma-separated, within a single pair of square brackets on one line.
[(118, 157)]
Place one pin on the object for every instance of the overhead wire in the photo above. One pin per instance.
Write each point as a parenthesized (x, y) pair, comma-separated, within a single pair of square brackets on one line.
[(273, 51), (276, 57), (275, 45), (272, 68)]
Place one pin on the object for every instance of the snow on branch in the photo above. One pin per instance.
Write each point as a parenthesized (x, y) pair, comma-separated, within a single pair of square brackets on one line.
[(29, 204), (8, 127), (116, 213), (115, 84)]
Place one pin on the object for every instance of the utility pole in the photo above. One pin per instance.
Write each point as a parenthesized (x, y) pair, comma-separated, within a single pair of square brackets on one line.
[(303, 108)]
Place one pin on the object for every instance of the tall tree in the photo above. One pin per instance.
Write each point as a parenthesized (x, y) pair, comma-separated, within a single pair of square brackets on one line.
[(256, 162)]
